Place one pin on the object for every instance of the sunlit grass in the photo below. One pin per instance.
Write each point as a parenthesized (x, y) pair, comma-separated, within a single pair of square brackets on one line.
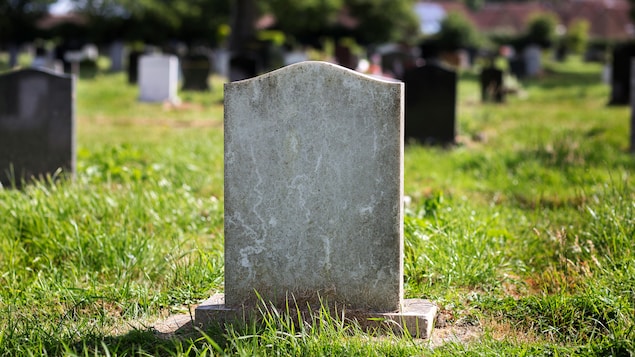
[(524, 233)]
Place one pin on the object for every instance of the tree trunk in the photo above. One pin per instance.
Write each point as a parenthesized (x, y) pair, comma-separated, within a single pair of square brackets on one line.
[(243, 21)]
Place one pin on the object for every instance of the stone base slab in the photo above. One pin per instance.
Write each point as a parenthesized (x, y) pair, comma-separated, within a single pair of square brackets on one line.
[(416, 317)]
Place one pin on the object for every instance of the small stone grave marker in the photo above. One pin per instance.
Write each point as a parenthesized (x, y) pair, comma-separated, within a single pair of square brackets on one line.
[(532, 56), (431, 104), (492, 85), (196, 69), (158, 78), (313, 196), (37, 125), (116, 53), (621, 74), (133, 67)]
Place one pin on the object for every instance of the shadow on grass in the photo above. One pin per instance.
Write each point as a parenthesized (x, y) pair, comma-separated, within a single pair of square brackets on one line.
[(186, 340)]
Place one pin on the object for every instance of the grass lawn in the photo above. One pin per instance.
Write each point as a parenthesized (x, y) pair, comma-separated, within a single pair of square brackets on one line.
[(524, 234)]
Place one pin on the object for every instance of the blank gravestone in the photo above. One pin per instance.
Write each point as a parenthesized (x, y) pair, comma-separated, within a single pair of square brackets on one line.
[(158, 78), (532, 57), (37, 125), (116, 52), (313, 196), (621, 74), (492, 85), (133, 66), (431, 104), (196, 70)]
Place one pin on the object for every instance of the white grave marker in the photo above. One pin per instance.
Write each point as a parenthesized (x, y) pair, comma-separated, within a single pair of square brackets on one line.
[(158, 78)]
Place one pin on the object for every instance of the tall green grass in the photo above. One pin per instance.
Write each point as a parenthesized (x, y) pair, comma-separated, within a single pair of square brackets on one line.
[(523, 234)]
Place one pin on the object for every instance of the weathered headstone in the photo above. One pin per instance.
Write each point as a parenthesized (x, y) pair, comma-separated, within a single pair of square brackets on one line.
[(158, 78), (313, 195), (431, 104), (37, 125), (116, 52), (621, 74), (220, 61), (133, 66), (533, 63), (196, 69), (492, 85)]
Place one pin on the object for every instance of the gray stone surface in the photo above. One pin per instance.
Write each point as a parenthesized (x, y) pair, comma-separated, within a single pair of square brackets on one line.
[(116, 52), (313, 188), (158, 78), (37, 125), (532, 55)]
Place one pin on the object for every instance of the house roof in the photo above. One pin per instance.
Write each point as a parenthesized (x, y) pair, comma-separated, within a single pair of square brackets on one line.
[(608, 19), (51, 20), (511, 18)]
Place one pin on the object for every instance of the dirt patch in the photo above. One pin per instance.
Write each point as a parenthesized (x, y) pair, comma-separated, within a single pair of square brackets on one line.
[(158, 122), (182, 325)]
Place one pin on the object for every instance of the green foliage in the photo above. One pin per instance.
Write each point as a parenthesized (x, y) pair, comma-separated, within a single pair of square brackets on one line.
[(155, 21), (300, 18), (541, 29), (17, 22), (384, 20), (457, 32), (577, 36)]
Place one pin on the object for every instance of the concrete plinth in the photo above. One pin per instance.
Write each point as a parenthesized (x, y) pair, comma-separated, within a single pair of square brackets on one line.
[(416, 316)]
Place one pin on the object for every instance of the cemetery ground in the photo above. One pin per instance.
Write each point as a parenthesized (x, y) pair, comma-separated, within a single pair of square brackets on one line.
[(523, 234)]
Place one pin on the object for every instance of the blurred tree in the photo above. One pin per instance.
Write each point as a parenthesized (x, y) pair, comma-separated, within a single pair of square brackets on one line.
[(384, 20), (368, 21), (243, 24), (541, 29), (18, 22), (457, 32), (474, 5), (156, 21), (577, 36), (304, 18)]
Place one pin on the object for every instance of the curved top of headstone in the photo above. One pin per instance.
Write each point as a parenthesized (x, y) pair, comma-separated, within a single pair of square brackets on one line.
[(317, 68)]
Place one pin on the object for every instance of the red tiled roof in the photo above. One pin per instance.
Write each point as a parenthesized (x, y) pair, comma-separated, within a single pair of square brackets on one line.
[(511, 18), (609, 19), (49, 21)]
